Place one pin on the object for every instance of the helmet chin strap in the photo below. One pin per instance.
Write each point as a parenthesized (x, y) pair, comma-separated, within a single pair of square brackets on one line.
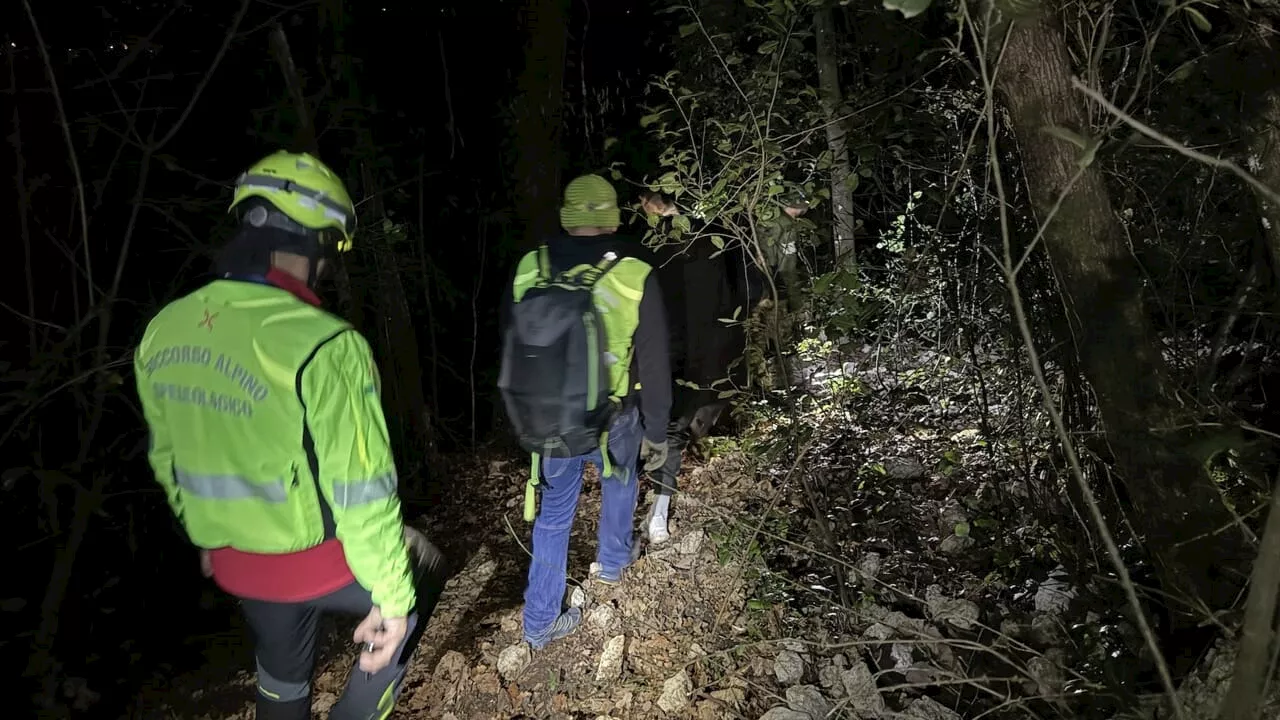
[(302, 241), (313, 263)]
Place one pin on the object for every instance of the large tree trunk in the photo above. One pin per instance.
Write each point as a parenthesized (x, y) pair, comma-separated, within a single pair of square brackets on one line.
[(1174, 501), (538, 118), (832, 103)]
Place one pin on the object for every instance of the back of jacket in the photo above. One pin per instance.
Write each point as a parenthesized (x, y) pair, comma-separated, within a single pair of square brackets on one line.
[(220, 378)]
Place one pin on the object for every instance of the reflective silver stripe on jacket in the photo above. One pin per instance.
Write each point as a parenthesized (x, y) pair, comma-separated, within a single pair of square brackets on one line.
[(230, 487), (349, 494)]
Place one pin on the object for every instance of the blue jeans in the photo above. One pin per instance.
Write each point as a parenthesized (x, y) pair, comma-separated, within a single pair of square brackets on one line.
[(561, 484)]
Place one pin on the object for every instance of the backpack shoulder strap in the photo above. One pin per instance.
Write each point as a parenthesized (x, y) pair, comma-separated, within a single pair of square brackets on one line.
[(599, 270), (544, 262)]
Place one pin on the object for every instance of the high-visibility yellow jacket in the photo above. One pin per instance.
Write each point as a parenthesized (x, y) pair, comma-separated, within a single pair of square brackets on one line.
[(263, 412)]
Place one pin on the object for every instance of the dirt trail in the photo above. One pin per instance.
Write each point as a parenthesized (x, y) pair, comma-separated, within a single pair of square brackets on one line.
[(668, 627)]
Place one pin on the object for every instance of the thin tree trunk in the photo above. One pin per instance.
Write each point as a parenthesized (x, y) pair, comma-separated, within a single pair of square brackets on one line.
[(399, 340), (1265, 149), (428, 287), (1173, 498), (305, 136), (1256, 637), (832, 98), (539, 118), (24, 227)]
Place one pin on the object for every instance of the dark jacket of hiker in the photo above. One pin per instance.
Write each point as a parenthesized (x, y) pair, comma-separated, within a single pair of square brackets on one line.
[(702, 289)]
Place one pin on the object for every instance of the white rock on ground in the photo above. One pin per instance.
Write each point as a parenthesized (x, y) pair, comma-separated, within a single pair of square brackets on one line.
[(733, 697), (860, 686), (1054, 594), (929, 709), (788, 667), (782, 713), (513, 660), (869, 568), (1046, 670), (692, 543), (675, 692), (809, 700), (951, 516), (785, 714), (601, 616), (1045, 629), (794, 645), (960, 613), (829, 679), (955, 544), (610, 667), (903, 656)]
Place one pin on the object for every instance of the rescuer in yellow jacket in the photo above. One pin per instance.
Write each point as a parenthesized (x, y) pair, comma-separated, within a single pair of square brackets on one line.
[(267, 435)]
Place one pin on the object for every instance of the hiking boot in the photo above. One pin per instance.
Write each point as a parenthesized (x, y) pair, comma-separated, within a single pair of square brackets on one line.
[(614, 577), (563, 627), (605, 577)]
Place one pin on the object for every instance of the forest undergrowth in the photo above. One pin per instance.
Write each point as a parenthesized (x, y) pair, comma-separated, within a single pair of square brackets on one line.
[(891, 542)]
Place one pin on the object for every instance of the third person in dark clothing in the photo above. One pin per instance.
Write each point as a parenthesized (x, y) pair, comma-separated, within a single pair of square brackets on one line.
[(703, 288)]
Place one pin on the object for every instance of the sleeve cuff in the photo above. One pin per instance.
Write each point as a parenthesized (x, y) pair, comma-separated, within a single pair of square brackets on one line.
[(398, 606)]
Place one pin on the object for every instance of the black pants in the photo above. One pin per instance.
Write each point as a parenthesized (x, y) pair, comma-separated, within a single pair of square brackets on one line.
[(285, 636), (695, 422)]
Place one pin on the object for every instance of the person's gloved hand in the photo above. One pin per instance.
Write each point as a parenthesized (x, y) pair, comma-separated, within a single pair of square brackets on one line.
[(381, 638), (653, 454)]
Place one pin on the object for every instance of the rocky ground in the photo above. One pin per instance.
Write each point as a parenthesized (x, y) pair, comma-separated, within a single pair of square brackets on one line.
[(879, 560), (683, 637)]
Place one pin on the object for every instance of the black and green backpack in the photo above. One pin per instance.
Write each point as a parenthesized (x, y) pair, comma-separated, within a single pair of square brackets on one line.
[(554, 375)]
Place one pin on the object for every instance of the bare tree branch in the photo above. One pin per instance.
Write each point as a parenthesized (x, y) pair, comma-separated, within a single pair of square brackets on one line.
[(1174, 145), (71, 146)]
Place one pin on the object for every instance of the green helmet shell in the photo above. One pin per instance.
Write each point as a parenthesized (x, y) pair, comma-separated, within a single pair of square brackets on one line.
[(304, 189)]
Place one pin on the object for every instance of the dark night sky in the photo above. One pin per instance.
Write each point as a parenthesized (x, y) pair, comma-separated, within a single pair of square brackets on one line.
[(395, 49)]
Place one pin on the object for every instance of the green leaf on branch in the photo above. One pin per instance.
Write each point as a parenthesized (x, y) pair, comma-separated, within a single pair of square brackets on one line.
[(687, 30), (668, 184), (908, 8), (768, 48), (648, 120), (717, 241)]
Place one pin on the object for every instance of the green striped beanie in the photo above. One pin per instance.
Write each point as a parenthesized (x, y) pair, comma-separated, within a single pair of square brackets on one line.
[(590, 201)]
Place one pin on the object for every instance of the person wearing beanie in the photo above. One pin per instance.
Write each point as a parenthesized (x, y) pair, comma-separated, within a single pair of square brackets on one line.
[(585, 377)]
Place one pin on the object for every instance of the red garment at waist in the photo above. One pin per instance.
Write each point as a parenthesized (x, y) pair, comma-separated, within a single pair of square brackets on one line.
[(287, 577)]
